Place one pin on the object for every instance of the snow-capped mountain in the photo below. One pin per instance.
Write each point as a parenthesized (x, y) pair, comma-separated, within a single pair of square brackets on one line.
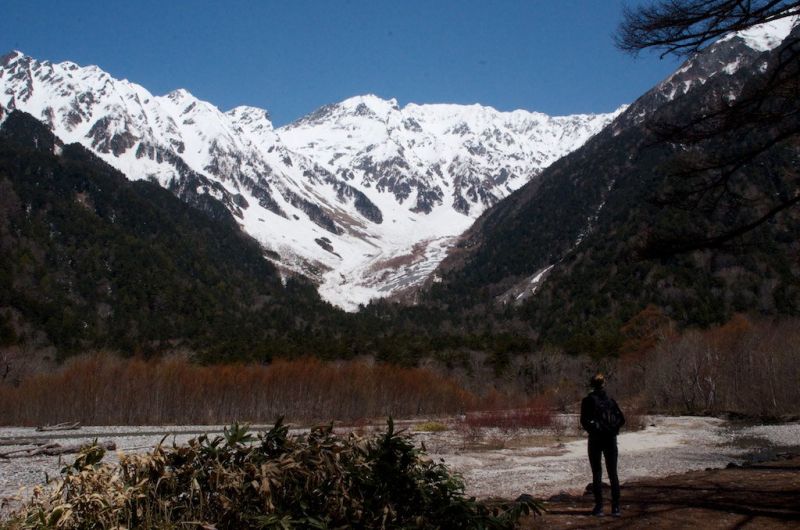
[(361, 196)]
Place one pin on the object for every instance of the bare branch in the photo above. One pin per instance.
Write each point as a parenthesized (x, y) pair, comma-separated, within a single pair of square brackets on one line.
[(684, 27)]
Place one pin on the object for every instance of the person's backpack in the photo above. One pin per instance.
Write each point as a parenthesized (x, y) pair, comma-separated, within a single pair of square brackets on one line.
[(607, 416)]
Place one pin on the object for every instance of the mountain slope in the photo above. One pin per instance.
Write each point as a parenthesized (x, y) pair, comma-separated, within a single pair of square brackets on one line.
[(361, 196), (93, 260), (569, 247)]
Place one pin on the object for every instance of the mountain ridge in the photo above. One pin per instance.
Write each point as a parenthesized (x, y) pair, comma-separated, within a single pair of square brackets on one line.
[(357, 236)]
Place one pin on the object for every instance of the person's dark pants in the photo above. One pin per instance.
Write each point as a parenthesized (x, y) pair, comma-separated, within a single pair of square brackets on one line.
[(607, 447)]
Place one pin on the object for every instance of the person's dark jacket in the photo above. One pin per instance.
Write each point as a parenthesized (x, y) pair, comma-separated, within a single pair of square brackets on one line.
[(589, 417)]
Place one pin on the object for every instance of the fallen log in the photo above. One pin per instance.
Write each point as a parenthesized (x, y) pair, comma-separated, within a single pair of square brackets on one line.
[(55, 449), (66, 426)]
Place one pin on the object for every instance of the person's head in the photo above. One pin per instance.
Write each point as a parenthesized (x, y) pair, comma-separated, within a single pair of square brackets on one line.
[(598, 381)]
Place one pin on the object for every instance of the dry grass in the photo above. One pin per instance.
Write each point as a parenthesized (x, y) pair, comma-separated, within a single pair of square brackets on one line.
[(431, 426)]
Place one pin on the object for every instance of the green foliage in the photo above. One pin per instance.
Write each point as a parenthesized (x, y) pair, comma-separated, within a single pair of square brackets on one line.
[(318, 480)]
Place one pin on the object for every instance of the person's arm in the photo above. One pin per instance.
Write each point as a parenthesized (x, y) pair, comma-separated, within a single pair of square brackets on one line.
[(621, 415), (587, 414)]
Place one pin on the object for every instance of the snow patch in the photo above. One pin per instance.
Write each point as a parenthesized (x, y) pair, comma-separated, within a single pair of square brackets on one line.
[(767, 36)]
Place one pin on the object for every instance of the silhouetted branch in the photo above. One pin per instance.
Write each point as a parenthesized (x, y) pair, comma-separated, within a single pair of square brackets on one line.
[(684, 27)]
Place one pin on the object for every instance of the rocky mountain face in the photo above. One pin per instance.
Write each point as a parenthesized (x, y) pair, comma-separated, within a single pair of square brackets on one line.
[(571, 250), (362, 197), (462, 157)]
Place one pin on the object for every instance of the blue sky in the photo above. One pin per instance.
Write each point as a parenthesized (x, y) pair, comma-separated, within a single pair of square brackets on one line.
[(291, 57)]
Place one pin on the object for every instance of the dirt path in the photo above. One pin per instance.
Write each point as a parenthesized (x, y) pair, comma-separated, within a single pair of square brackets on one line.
[(765, 495)]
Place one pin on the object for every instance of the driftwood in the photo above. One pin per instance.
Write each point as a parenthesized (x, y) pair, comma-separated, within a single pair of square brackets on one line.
[(55, 449), (23, 441), (66, 426)]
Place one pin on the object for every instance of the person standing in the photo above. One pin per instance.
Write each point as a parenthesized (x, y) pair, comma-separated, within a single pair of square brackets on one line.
[(602, 418)]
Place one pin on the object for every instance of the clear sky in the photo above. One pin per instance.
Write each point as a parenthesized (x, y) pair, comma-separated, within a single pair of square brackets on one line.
[(292, 56)]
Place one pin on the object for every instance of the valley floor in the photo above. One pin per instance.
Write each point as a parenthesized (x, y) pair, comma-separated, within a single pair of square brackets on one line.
[(493, 462)]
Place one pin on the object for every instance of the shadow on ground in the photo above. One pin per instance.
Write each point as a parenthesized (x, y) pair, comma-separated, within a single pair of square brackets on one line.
[(763, 495)]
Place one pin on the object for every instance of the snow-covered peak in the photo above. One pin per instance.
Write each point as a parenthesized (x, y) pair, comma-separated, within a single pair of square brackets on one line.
[(179, 95), (245, 113), (736, 51), (368, 103), (464, 157), (255, 123), (358, 108), (182, 101)]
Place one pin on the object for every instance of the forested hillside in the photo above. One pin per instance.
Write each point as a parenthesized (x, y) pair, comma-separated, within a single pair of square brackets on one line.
[(93, 260), (636, 217)]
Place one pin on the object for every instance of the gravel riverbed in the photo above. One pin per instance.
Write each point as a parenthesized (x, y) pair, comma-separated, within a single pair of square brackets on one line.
[(668, 445), (541, 462)]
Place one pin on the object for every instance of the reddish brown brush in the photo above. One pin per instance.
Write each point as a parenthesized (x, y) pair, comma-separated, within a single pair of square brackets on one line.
[(536, 414), (105, 390)]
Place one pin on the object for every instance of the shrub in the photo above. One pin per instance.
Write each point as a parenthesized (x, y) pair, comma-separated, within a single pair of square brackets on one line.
[(431, 426), (741, 367), (318, 480)]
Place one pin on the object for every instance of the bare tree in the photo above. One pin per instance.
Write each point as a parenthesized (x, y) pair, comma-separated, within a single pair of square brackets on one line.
[(711, 176)]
